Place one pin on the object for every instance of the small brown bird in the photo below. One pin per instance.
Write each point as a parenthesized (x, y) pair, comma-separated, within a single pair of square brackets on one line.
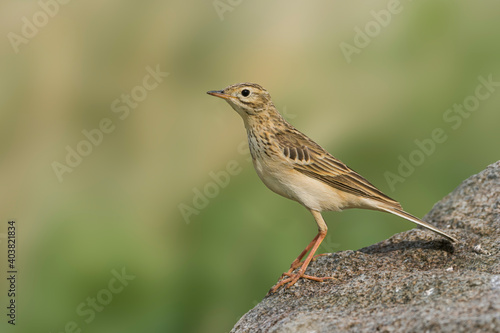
[(296, 167)]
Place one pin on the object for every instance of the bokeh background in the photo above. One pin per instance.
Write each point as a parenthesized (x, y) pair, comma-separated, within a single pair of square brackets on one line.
[(121, 207)]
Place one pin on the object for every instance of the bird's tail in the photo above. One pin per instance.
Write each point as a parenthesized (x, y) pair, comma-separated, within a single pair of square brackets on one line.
[(409, 217)]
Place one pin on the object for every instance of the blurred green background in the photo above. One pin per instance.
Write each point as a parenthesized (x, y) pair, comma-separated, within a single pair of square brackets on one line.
[(121, 207)]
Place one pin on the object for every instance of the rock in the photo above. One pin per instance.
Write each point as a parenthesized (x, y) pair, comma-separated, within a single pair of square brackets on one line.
[(414, 281)]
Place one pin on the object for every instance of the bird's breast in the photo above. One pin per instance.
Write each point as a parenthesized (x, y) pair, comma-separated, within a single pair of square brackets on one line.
[(273, 177)]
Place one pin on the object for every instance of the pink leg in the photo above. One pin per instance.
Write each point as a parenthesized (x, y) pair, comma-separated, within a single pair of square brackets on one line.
[(315, 243), (296, 263)]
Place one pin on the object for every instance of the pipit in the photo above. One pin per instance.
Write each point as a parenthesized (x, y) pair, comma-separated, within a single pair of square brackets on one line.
[(294, 166)]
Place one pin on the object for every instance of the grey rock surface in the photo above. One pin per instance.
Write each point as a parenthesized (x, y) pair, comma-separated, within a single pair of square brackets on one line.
[(412, 282)]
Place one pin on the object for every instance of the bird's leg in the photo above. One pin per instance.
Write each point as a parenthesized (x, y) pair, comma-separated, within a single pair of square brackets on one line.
[(296, 263), (294, 277)]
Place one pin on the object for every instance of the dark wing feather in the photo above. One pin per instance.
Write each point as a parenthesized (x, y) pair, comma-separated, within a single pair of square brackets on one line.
[(313, 161)]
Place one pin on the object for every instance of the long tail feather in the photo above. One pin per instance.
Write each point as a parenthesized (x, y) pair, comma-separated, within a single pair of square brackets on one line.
[(418, 221)]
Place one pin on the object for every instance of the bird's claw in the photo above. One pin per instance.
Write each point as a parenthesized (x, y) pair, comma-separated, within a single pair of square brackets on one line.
[(292, 278)]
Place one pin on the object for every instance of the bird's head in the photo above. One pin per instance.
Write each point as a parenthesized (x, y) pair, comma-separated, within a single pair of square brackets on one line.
[(245, 98)]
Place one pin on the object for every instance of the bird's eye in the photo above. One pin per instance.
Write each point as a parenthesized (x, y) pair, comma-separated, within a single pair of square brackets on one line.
[(245, 92)]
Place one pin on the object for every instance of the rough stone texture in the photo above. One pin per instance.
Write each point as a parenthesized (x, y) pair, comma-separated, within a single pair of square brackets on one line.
[(412, 282)]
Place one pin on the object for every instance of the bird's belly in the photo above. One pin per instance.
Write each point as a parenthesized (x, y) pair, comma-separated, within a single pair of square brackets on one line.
[(308, 191)]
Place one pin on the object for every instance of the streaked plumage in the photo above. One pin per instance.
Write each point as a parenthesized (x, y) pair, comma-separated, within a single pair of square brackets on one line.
[(296, 167)]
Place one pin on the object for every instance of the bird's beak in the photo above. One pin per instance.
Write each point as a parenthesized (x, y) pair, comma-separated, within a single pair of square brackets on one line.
[(219, 93)]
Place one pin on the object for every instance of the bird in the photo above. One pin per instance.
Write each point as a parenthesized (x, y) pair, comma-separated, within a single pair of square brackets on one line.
[(292, 165)]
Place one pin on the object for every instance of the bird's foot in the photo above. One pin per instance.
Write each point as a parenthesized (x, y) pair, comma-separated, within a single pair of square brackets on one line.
[(297, 263), (320, 255), (289, 279)]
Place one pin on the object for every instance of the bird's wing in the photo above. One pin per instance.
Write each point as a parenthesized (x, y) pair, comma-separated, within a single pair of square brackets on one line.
[(308, 158)]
